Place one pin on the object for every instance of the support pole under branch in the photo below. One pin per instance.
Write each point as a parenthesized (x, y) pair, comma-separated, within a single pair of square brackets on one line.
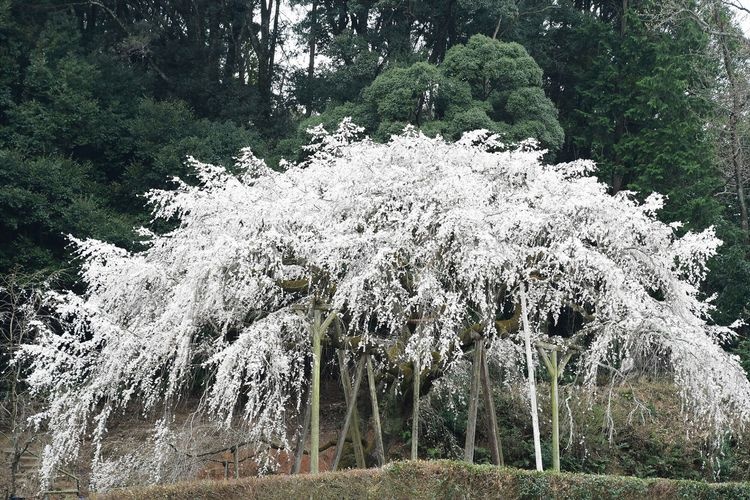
[(349, 413), (359, 453), (315, 414), (555, 416), (415, 413), (496, 446), (471, 425), (532, 380), (375, 413)]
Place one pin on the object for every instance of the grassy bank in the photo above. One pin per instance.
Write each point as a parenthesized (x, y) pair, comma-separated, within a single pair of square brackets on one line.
[(441, 479)]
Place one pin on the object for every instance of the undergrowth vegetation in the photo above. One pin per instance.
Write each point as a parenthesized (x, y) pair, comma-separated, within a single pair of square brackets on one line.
[(641, 438), (441, 479)]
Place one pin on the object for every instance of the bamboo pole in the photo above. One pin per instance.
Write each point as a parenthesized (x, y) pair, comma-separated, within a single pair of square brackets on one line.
[(532, 381), (315, 416), (496, 445), (354, 431), (415, 413), (471, 426), (379, 449), (349, 412)]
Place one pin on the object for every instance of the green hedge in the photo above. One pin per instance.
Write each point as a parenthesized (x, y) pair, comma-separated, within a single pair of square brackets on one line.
[(442, 479)]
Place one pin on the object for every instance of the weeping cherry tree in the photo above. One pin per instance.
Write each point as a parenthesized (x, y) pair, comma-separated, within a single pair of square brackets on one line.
[(406, 246)]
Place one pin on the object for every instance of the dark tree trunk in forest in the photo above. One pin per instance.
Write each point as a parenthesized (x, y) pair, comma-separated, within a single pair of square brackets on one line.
[(617, 181), (263, 40), (734, 124), (311, 60), (443, 25)]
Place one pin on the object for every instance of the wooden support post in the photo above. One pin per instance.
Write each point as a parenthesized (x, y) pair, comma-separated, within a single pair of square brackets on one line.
[(471, 426), (302, 436), (315, 416), (415, 412), (496, 445), (555, 415), (349, 412), (555, 371), (379, 450), (532, 381), (318, 330), (356, 435), (354, 431)]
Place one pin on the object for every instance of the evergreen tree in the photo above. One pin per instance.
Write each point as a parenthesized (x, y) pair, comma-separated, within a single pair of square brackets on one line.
[(486, 84)]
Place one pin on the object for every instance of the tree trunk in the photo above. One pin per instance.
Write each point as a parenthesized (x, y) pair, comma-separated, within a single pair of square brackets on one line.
[(532, 381), (497, 27), (263, 40), (735, 115), (311, 60), (442, 29), (273, 41), (618, 175)]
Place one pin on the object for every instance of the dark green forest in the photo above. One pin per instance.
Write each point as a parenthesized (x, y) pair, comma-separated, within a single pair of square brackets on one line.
[(101, 101)]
